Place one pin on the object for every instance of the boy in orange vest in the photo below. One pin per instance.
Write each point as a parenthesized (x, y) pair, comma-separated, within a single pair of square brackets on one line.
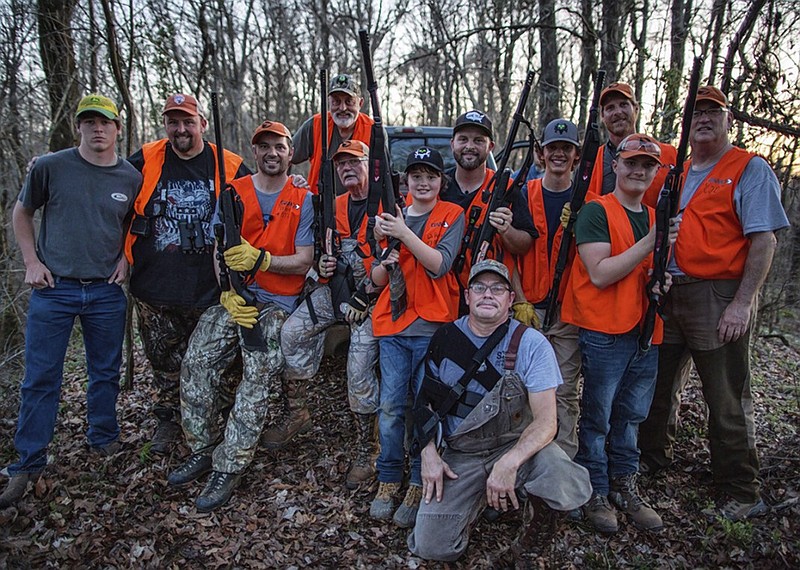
[(430, 233), (606, 298)]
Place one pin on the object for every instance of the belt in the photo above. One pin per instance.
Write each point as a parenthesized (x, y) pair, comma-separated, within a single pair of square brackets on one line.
[(684, 279), (84, 282)]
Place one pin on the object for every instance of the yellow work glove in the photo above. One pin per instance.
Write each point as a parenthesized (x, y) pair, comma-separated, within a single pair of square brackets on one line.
[(243, 314), (526, 314), (566, 211), (243, 257)]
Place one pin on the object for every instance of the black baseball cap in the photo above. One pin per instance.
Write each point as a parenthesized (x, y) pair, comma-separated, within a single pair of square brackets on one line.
[(426, 156), (474, 118)]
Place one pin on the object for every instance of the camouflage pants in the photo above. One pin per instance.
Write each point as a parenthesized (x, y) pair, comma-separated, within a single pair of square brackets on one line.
[(303, 342), (165, 332), (205, 393)]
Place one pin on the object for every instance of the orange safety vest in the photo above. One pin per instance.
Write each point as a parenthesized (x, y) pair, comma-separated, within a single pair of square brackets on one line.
[(277, 236), (621, 306), (343, 227), (506, 258), (435, 300), (669, 156), (711, 244), (154, 154), (363, 133), (535, 271)]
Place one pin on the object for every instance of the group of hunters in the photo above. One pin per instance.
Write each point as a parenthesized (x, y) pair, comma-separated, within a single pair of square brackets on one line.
[(505, 417)]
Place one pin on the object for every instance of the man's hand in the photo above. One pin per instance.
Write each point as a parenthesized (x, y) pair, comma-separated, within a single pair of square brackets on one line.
[(327, 266), (299, 181), (525, 313), (38, 276), (357, 307), (500, 486), (388, 225), (501, 219), (433, 471), (392, 259), (243, 257), (120, 272), (734, 321), (242, 314)]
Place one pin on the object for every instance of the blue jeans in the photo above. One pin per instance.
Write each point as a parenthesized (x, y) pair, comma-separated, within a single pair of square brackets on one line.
[(402, 364), (51, 315), (618, 387)]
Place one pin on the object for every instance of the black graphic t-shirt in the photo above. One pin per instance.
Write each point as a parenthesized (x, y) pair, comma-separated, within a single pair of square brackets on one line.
[(173, 265)]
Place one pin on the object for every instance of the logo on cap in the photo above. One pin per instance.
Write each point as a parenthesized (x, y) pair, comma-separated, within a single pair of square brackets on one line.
[(179, 99), (475, 116), (341, 80), (422, 153), (561, 128)]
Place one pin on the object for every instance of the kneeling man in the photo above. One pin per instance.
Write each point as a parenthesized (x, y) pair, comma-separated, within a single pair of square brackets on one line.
[(491, 382)]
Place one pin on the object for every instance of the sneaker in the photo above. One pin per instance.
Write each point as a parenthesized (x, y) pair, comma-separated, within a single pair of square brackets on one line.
[(735, 511), (601, 514), (625, 495), (195, 467), (217, 492), (406, 514), (382, 506), (16, 488)]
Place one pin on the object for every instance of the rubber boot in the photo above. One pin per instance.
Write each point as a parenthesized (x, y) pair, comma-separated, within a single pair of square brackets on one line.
[(298, 419), (168, 432), (362, 469)]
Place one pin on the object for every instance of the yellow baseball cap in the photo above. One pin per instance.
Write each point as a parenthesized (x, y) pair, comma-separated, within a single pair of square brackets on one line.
[(96, 103)]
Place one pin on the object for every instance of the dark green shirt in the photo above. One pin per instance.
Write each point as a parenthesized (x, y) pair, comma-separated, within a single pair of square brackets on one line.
[(592, 224)]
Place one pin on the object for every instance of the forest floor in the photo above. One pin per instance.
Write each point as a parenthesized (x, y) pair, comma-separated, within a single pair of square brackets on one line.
[(292, 510)]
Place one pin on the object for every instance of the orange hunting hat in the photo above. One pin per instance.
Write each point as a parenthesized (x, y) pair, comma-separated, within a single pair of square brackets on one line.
[(639, 145), (270, 127), (622, 88), (709, 93), (354, 148), (182, 102)]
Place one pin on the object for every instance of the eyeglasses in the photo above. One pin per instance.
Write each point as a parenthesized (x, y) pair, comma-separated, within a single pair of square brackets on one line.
[(480, 288), (351, 162), (712, 112), (640, 144)]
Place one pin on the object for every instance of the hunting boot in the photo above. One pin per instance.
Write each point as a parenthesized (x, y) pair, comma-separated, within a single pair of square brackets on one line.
[(168, 431), (539, 528), (625, 494), (362, 469), (406, 514), (298, 418), (17, 486), (601, 514), (382, 506)]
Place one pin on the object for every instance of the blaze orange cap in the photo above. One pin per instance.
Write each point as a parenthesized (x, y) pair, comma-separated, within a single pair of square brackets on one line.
[(270, 127), (622, 88)]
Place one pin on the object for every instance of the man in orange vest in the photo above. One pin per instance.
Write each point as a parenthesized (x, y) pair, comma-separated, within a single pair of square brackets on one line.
[(618, 112), (546, 197), (277, 249), (607, 299), (731, 210), (303, 334), (472, 141), (170, 247), (345, 122)]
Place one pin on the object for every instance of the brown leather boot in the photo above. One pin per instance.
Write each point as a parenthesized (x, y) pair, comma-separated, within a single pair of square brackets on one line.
[(297, 420), (362, 469)]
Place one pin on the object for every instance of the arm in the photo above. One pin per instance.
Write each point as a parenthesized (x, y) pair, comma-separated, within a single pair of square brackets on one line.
[(296, 264), (605, 270), (37, 275), (736, 317), (538, 434), (514, 240), (395, 226)]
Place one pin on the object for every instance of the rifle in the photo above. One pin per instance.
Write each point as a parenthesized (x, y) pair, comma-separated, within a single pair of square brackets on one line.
[(580, 185), (497, 193), (228, 234), (667, 207), (327, 239), (382, 189)]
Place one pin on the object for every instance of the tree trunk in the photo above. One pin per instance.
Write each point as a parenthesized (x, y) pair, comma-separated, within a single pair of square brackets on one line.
[(673, 78), (58, 59), (549, 79), (717, 18), (120, 79), (610, 38), (588, 60)]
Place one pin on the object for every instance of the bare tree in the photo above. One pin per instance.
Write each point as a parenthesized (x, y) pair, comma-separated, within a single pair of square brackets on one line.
[(549, 79)]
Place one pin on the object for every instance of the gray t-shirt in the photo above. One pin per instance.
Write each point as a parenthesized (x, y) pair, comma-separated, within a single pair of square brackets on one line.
[(536, 364), (84, 208), (757, 199), (448, 246)]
